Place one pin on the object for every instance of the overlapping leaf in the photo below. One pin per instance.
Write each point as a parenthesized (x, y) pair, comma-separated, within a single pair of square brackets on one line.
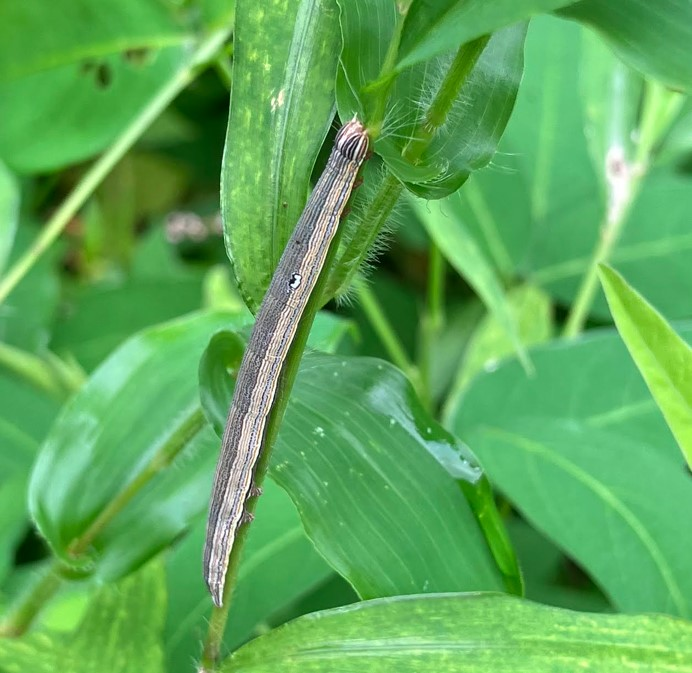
[(583, 452), (355, 452), (475, 122), (105, 440), (553, 205), (473, 633), (663, 358)]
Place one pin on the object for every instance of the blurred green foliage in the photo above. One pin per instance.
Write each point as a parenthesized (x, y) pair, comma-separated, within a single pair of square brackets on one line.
[(518, 438)]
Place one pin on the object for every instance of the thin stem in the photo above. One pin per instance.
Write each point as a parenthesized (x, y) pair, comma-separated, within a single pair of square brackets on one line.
[(102, 166), (21, 618), (385, 80), (49, 374), (436, 115), (610, 233), (624, 179), (379, 322), (380, 208)]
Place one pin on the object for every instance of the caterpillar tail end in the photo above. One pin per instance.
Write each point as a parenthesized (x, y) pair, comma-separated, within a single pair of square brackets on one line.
[(215, 581), (215, 566)]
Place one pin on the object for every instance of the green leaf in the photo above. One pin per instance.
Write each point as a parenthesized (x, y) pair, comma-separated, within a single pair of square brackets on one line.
[(56, 117), (9, 211), (611, 503), (477, 117), (278, 566), (78, 31), (281, 107), (103, 315), (330, 331), (363, 463), (433, 28), (461, 251), (605, 391), (662, 357), (547, 221), (545, 572), (532, 313), (120, 633), (127, 464), (473, 633), (653, 38)]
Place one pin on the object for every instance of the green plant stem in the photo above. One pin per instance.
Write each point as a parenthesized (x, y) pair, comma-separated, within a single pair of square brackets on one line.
[(19, 620), (433, 316), (659, 110), (99, 170), (23, 615), (49, 374), (610, 233), (436, 115), (385, 80), (386, 197), (377, 318)]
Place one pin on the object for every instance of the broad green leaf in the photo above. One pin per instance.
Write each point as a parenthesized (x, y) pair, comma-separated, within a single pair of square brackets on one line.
[(591, 381), (532, 313), (100, 317), (461, 251), (120, 633), (56, 117), (284, 66), (612, 504), (546, 572), (474, 123), (363, 463), (279, 565), (77, 31), (544, 219), (133, 434), (663, 358), (652, 37), (433, 28), (9, 211), (470, 633)]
